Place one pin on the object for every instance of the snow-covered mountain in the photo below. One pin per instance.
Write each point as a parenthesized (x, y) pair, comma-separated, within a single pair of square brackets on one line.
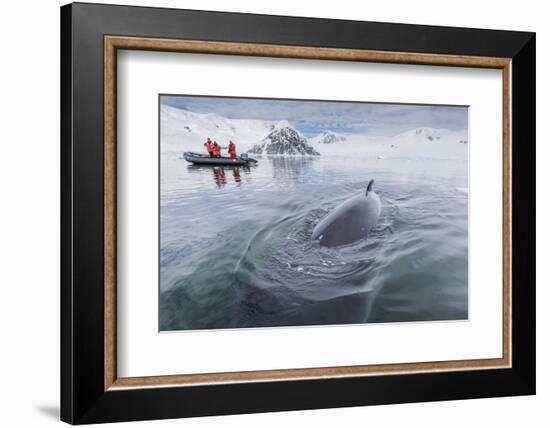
[(284, 140), (425, 143), (184, 130), (416, 143), (429, 134), (328, 137)]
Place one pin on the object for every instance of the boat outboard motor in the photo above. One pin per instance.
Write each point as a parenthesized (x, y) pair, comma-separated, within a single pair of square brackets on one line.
[(244, 156)]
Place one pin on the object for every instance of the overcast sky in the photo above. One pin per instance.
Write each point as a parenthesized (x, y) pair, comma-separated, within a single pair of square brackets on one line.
[(313, 117)]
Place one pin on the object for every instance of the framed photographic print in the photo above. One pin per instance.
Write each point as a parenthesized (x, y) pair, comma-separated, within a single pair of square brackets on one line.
[(266, 213)]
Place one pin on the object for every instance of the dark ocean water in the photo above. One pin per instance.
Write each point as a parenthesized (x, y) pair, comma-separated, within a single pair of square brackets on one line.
[(235, 247)]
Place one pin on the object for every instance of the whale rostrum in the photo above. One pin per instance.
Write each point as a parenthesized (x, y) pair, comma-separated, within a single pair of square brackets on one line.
[(350, 221)]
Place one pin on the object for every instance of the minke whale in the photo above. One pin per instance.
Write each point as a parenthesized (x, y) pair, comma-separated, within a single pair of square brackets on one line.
[(350, 221)]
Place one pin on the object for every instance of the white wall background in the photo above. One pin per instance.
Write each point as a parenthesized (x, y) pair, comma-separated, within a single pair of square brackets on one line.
[(29, 219)]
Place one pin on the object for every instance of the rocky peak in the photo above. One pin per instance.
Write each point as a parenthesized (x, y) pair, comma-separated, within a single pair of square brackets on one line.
[(284, 140), (328, 137)]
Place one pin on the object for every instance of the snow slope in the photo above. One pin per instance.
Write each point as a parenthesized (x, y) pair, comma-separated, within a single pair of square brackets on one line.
[(183, 130), (420, 143), (432, 143)]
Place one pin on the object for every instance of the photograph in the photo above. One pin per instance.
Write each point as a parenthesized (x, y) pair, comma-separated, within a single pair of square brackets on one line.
[(288, 212)]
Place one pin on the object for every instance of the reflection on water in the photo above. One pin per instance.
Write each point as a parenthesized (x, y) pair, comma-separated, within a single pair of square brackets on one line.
[(236, 174), (219, 172), (236, 250), (292, 170)]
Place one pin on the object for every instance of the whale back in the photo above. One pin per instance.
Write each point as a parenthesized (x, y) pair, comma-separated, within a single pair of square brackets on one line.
[(350, 221)]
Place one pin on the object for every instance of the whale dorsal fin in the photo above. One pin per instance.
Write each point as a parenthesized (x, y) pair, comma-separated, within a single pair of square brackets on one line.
[(369, 187)]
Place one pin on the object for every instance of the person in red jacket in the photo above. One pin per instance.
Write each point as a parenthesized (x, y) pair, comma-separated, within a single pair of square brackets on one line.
[(216, 150), (232, 149), (209, 147)]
